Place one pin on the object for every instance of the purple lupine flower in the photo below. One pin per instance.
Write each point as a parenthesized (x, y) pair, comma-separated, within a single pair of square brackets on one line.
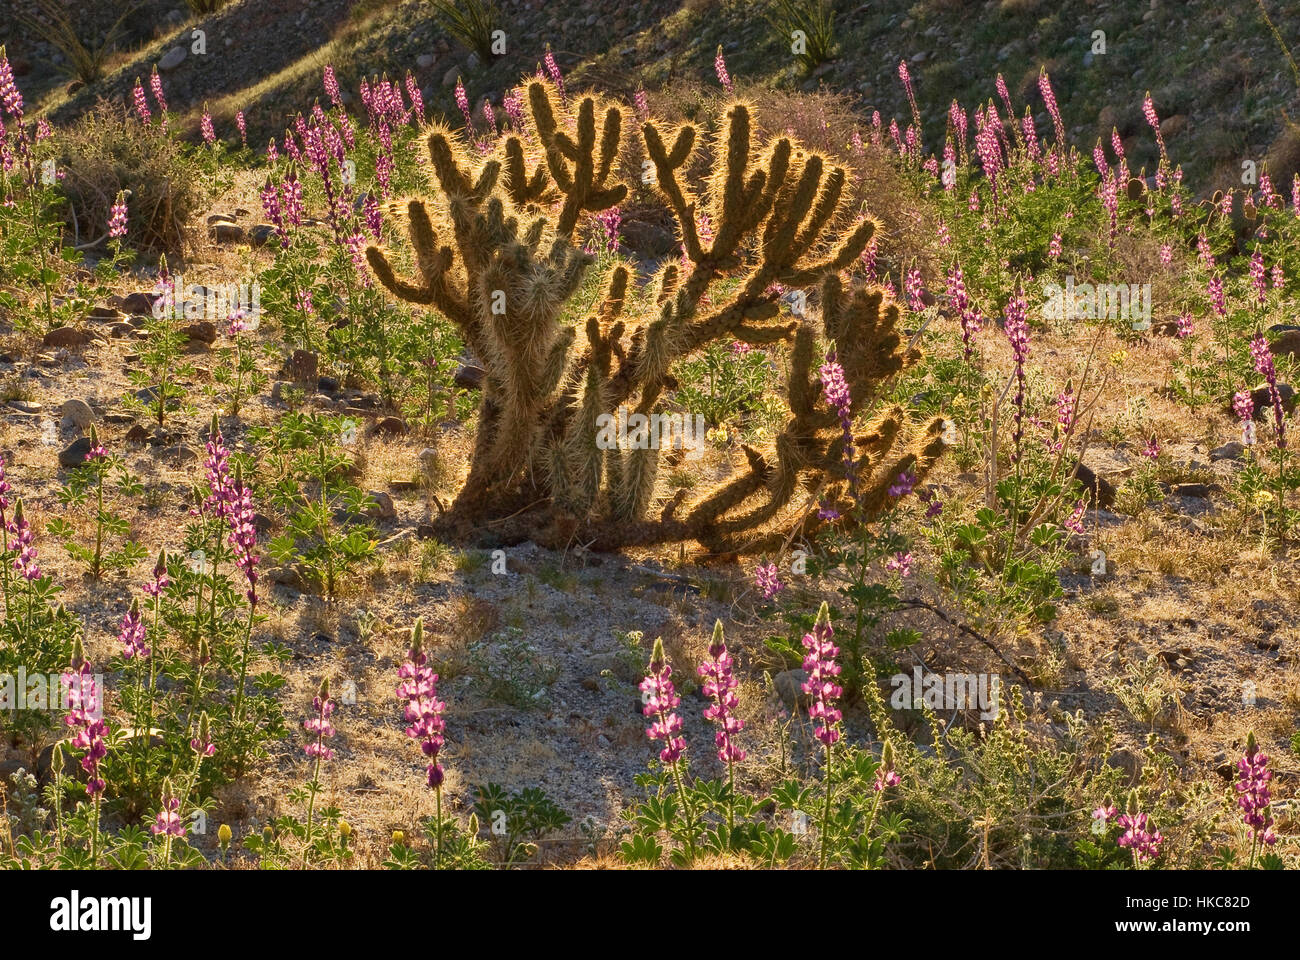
[(1263, 358), (913, 288), (904, 484), (968, 316), (1295, 194), (906, 77), (1225, 205), (766, 579), (1116, 144), (413, 94), (319, 725), (370, 211), (243, 128), (513, 102), (1152, 450), (1149, 111), (85, 715), (23, 545), (462, 101), (294, 208), (356, 247), (217, 466), (1254, 796), (332, 85), (827, 512), (418, 687), (1185, 325), (1243, 405), (272, 153), (820, 666), (117, 216), (10, 98), (139, 102), (1257, 276), (641, 102), (1017, 331), (274, 212), (553, 71), (1270, 198), (1049, 98), (156, 88), (1214, 288), (886, 775), (205, 127), (489, 117), (5, 489), (134, 635), (660, 700), (720, 685), (1144, 842), (1074, 522), (201, 743), (1277, 276), (838, 397), (168, 821), (720, 68), (900, 563), (243, 534), (869, 259)]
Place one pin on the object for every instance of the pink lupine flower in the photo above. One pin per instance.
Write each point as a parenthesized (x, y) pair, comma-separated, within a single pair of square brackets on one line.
[(836, 390), (117, 217), (320, 725), (85, 715), (23, 545), (332, 85), (660, 700), (294, 208), (1254, 796), (1166, 253), (1257, 276), (1152, 450), (904, 484), (1277, 276), (822, 669), (168, 821), (886, 775), (156, 88), (1017, 332), (514, 106), (140, 104), (243, 534), (913, 288), (1149, 111), (553, 71), (720, 67), (462, 101), (1243, 405), (133, 634), (10, 98), (1204, 253), (1225, 205), (418, 687), (417, 99), (1217, 299), (201, 743), (1116, 144), (1144, 843), (272, 153), (900, 563), (243, 128), (1263, 357), (205, 127), (869, 259), (720, 686), (1185, 326), (641, 102), (766, 579), (1074, 522), (274, 212), (370, 212), (1049, 98), (1054, 248), (1295, 194)]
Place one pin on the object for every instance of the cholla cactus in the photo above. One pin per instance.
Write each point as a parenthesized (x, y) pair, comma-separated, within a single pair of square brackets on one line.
[(509, 266)]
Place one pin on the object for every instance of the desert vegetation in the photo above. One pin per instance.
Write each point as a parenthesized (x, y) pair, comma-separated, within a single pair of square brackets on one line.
[(611, 474)]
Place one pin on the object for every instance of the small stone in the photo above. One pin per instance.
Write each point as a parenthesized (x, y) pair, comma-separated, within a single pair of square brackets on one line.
[(1232, 450), (138, 304), (1199, 490), (286, 576), (172, 59), (1263, 399), (216, 218), (119, 418), (261, 234), (1099, 489), (789, 687), (104, 315), (301, 366), (78, 413), (181, 453), (425, 60), (402, 486), (137, 434), (380, 506), (451, 76), (74, 454), (66, 337), (327, 384), (202, 331), (389, 427), (225, 232)]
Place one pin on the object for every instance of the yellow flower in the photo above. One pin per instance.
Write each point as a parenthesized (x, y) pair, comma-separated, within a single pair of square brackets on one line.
[(345, 829), (1118, 357), (224, 834), (399, 837)]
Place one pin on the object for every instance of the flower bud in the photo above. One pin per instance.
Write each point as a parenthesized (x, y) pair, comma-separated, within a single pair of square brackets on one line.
[(224, 835)]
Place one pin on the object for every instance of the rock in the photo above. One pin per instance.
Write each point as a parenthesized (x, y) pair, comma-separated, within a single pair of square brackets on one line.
[(287, 576), (425, 60), (402, 486), (66, 337), (262, 523), (78, 412), (202, 331), (327, 384), (472, 62), (137, 434), (1263, 399), (380, 506), (1100, 490), (789, 687), (469, 376), (216, 218), (451, 76), (1171, 127), (119, 418), (225, 232), (1232, 450), (180, 453), (138, 304), (122, 331), (105, 315), (428, 458), (646, 238), (301, 366), (1287, 344), (1199, 490), (388, 427), (74, 454), (261, 234), (172, 59)]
